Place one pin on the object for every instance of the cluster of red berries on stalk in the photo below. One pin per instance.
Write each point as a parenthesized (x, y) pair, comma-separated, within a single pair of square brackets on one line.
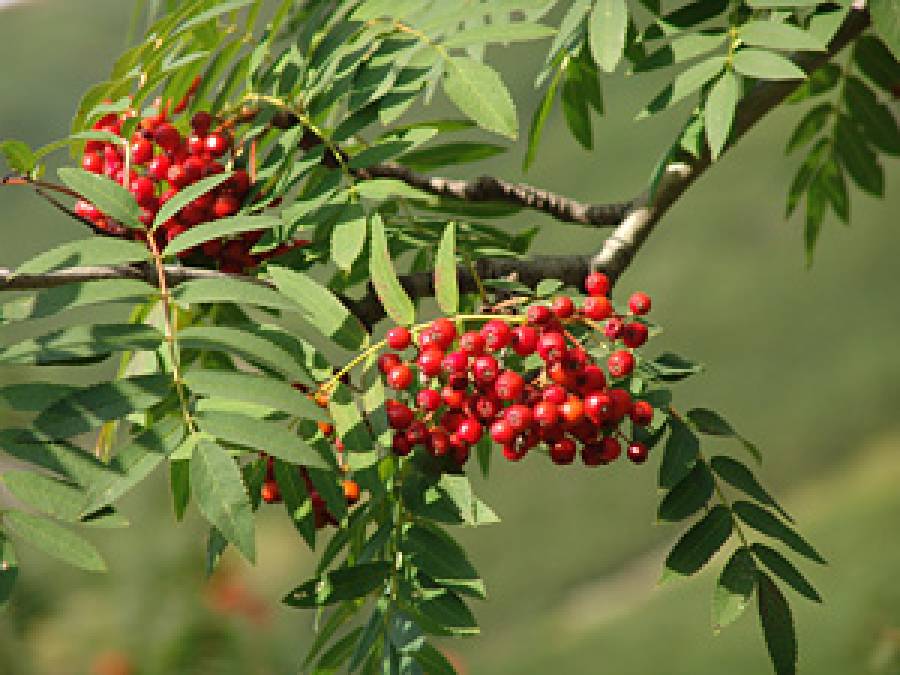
[(162, 163), (467, 387)]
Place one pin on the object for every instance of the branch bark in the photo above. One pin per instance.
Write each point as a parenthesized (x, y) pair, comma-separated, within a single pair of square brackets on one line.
[(635, 220)]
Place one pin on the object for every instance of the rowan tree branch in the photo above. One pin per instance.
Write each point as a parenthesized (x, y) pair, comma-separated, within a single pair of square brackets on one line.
[(635, 221)]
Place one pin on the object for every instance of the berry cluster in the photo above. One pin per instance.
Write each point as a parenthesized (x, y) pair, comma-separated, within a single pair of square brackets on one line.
[(468, 384), (164, 162)]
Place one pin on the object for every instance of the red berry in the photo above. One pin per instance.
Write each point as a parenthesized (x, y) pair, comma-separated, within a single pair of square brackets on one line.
[(398, 338), (596, 284), (560, 373), (641, 413), (597, 307), (428, 399), (497, 334), (639, 303), (572, 409), (519, 417), (611, 449), (201, 122), (399, 377), (638, 452), (509, 385), (143, 190), (401, 445), (552, 346), (193, 167), (634, 334), (177, 176), (239, 183), (428, 338), (621, 404), (485, 369), (592, 378), (502, 432), (563, 451), (538, 314), (417, 434), (554, 394), (592, 453), (545, 413), (270, 492), (614, 328), (399, 415), (438, 442), (620, 363), (225, 206), (472, 343), (141, 151), (563, 307), (158, 169), (93, 162), (470, 430), (452, 397), (460, 450), (351, 491), (429, 361), (387, 361), (217, 144), (512, 453), (486, 407), (445, 332), (598, 406), (196, 145), (455, 363), (167, 137), (87, 210), (524, 340)]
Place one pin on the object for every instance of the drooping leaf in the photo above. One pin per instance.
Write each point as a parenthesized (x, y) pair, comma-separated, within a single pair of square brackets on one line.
[(809, 126), (857, 158), (606, 27), (442, 559), (107, 195), (765, 522), (9, 569), (784, 570), (682, 48), (688, 496), (875, 61), (685, 84), (765, 65), (217, 486), (875, 119), (392, 295), (718, 113), (479, 93), (445, 282), (270, 437), (539, 119), (48, 495), (320, 307), (82, 342), (699, 544), (348, 238), (734, 589), (711, 423), (54, 540), (778, 626), (679, 455), (739, 476)]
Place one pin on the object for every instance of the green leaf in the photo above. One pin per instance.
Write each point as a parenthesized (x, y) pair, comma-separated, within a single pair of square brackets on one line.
[(784, 570), (184, 197), (88, 408), (713, 424), (699, 544), (433, 661), (447, 614), (320, 307), (374, 628), (768, 4), (180, 481), (765, 522), (682, 48), (232, 291), (216, 229), (812, 123), (874, 118), (449, 154), (107, 195), (54, 540), (685, 84), (86, 252), (82, 342), (392, 295), (342, 584), (9, 569), (670, 367), (383, 189), (348, 422), (886, 21), (442, 559), (480, 94), (217, 486), (539, 119), (446, 286), (777, 35), (876, 62), (679, 455), (857, 158), (688, 496), (606, 28), (734, 589), (46, 494), (502, 33), (19, 156), (739, 476), (266, 391), (52, 301), (778, 626), (348, 238), (766, 65), (718, 113), (269, 437), (296, 500), (575, 107), (34, 396)]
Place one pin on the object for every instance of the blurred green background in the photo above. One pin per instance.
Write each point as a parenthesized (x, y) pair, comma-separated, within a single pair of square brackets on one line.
[(803, 362)]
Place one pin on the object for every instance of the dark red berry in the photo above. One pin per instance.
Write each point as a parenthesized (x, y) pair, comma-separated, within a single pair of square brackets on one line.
[(438, 442), (141, 151), (455, 363), (201, 122), (167, 137), (634, 334), (611, 449), (641, 413), (638, 452), (485, 369), (445, 332), (158, 169), (563, 451), (554, 394), (399, 415), (217, 144), (519, 417), (387, 361), (401, 445)]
